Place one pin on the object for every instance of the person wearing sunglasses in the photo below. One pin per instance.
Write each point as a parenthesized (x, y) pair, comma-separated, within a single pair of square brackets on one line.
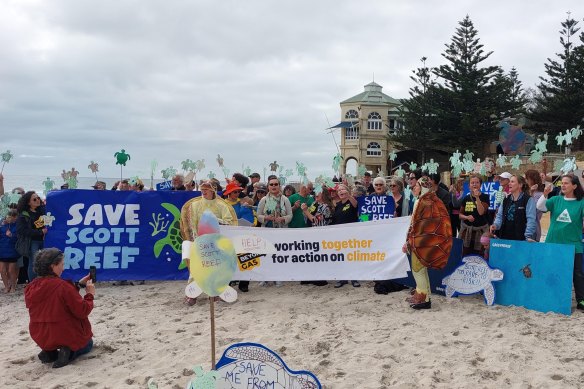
[(30, 225), (274, 210), (412, 180)]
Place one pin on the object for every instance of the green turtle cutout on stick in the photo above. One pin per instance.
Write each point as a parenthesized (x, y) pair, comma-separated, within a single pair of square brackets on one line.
[(121, 159), (6, 157)]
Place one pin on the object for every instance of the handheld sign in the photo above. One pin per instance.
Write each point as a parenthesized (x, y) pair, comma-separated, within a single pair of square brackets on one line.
[(375, 207), (473, 276), (165, 185), (252, 365), (489, 188)]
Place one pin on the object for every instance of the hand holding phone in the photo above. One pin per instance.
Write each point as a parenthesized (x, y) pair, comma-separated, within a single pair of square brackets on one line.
[(92, 273)]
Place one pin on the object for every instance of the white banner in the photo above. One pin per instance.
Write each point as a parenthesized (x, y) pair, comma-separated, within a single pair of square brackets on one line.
[(355, 251)]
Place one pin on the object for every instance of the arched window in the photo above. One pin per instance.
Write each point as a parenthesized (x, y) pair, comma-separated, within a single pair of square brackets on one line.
[(373, 149), (352, 114), (352, 133), (374, 121)]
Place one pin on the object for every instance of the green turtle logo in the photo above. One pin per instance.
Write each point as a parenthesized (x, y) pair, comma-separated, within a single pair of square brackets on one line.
[(172, 237), (122, 157)]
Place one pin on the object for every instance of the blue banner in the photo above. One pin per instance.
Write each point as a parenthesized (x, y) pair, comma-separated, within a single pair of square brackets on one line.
[(375, 207), (126, 235), (538, 276), (489, 188)]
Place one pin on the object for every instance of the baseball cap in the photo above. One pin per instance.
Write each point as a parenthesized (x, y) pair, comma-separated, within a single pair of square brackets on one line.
[(505, 175)]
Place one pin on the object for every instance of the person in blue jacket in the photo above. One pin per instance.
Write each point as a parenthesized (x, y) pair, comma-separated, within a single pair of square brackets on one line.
[(8, 254)]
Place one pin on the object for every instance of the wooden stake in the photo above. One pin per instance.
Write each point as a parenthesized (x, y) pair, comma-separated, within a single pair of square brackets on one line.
[(212, 307)]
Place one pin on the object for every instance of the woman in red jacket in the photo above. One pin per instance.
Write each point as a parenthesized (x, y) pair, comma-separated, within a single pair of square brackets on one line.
[(59, 322)]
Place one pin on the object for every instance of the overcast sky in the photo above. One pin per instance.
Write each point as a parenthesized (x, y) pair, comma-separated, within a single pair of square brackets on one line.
[(251, 80)]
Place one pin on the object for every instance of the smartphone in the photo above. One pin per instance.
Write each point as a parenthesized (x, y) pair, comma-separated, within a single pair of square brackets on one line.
[(92, 271)]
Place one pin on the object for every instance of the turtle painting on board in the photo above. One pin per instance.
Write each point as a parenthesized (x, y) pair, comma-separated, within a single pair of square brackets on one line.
[(473, 276)]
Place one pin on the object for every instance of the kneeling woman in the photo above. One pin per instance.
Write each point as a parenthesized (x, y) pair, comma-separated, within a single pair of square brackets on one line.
[(59, 322)]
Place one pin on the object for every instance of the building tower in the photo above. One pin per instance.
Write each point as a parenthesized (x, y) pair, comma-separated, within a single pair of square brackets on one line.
[(366, 120)]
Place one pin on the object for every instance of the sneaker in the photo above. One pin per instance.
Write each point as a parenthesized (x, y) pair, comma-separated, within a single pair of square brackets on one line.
[(580, 305), (279, 284), (320, 283), (62, 358), (263, 283), (243, 288), (48, 356), (340, 284), (355, 284)]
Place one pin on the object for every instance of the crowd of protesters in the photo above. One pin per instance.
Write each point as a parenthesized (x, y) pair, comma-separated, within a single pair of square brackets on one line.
[(474, 220)]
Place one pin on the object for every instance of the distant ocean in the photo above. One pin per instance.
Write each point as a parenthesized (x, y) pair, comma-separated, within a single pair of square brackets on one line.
[(36, 182)]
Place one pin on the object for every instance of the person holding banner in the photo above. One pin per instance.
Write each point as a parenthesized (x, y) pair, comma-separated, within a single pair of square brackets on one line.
[(346, 212), (516, 218), (566, 216), (473, 216), (274, 210)]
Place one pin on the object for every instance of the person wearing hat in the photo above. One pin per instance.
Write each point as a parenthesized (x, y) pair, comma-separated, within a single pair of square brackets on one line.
[(504, 181), (99, 185), (367, 183), (243, 212), (255, 178), (192, 212)]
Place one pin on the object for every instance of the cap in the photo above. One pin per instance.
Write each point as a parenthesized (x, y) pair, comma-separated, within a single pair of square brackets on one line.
[(232, 186), (261, 187), (99, 184), (255, 175), (505, 175)]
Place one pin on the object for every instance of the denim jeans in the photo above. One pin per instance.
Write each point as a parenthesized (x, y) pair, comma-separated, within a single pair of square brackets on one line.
[(82, 351), (35, 246)]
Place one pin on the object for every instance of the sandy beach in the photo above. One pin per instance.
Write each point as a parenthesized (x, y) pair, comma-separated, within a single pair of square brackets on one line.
[(349, 337)]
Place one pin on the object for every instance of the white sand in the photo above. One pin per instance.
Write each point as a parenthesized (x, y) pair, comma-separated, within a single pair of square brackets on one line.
[(349, 337)]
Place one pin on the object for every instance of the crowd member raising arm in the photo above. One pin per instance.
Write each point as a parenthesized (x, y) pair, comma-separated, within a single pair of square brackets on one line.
[(566, 215)]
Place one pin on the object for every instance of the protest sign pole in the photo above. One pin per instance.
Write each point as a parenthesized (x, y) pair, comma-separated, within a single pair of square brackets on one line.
[(212, 308)]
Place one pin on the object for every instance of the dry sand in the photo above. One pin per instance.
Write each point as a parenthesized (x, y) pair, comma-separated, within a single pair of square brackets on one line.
[(349, 337)]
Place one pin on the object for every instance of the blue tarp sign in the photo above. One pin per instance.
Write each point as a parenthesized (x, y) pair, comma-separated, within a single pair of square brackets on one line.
[(538, 276), (127, 235), (489, 188), (375, 207)]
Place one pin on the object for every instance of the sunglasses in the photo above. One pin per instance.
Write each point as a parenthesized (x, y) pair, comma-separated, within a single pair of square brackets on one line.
[(274, 184), (392, 185), (236, 191), (261, 191), (378, 184)]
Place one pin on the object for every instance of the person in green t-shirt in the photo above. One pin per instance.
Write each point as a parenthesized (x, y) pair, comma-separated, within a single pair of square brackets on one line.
[(566, 216), (297, 199)]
